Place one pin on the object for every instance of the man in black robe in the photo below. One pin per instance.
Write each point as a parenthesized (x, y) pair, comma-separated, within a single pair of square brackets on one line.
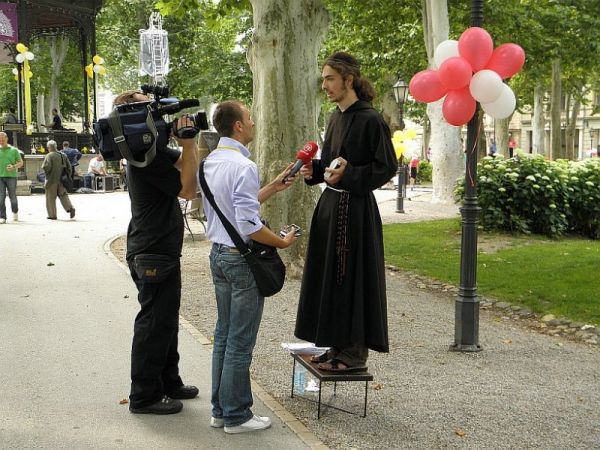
[(343, 300)]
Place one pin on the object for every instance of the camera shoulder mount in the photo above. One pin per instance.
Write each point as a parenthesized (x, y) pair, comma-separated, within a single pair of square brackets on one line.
[(114, 121)]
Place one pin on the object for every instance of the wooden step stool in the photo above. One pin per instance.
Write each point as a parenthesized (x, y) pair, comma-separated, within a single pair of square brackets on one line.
[(323, 376)]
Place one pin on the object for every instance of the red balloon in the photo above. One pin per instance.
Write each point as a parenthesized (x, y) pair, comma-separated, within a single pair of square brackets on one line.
[(425, 86), (506, 60), (476, 46), (458, 107), (455, 73)]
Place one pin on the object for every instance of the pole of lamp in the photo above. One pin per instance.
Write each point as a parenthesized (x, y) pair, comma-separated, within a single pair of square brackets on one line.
[(401, 173), (20, 108), (466, 312)]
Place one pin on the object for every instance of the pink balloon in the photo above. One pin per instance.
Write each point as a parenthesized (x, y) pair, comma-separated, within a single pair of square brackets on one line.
[(506, 60), (425, 86), (476, 46), (458, 107), (455, 72)]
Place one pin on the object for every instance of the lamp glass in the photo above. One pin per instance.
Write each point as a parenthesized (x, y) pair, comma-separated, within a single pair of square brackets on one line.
[(400, 91)]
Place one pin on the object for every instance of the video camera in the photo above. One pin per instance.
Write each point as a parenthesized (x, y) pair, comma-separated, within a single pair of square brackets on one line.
[(136, 131)]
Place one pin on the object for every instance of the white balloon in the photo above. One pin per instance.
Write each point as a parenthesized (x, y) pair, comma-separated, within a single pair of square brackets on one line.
[(486, 86), (503, 106), (97, 68), (15, 72), (20, 58), (29, 56), (444, 50)]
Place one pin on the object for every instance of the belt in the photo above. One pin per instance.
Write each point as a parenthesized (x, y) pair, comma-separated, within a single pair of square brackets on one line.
[(226, 248), (336, 189)]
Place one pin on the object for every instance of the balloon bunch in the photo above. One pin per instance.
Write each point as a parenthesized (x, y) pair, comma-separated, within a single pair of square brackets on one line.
[(96, 67), (401, 138), (23, 57), (470, 71)]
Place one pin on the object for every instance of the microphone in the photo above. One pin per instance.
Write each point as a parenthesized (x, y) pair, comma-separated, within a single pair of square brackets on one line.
[(303, 156), (178, 106)]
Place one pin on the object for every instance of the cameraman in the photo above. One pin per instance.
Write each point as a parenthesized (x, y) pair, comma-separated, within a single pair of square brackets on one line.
[(154, 243)]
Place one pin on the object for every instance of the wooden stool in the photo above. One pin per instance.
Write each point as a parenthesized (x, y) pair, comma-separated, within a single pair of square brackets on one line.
[(324, 376)]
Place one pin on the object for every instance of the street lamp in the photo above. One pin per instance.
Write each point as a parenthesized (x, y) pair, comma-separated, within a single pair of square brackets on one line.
[(400, 92), (466, 306)]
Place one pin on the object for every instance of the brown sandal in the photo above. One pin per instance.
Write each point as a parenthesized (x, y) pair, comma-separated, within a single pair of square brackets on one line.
[(323, 357), (335, 365)]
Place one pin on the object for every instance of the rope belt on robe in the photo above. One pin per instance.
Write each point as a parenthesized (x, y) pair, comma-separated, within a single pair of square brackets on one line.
[(341, 237)]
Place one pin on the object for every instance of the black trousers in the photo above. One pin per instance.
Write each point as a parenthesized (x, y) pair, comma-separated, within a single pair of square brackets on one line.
[(154, 356)]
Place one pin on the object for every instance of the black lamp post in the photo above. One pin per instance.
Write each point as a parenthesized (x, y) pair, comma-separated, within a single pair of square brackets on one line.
[(400, 92), (466, 311)]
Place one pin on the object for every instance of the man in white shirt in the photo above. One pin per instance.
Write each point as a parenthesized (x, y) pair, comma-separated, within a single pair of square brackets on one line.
[(97, 165), (233, 179)]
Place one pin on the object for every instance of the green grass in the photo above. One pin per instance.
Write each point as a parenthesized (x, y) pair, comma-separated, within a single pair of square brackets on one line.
[(547, 276)]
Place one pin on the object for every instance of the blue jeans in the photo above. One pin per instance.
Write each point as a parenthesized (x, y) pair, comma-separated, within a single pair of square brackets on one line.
[(239, 307), (8, 184)]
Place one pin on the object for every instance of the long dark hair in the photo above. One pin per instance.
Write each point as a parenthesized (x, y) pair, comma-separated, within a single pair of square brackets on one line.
[(347, 65)]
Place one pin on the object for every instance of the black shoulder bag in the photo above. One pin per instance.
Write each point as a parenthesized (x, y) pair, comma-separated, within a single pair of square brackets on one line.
[(264, 261), (65, 176)]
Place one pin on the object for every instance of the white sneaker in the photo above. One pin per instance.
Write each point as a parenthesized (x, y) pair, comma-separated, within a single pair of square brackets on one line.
[(2, 220), (15, 217), (215, 422), (256, 423)]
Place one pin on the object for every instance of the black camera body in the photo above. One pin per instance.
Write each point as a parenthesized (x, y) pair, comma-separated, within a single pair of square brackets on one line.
[(136, 131)]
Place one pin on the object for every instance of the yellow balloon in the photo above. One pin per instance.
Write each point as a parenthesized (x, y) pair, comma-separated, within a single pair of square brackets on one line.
[(98, 59), (411, 134), (399, 148), (102, 71), (21, 48), (399, 135)]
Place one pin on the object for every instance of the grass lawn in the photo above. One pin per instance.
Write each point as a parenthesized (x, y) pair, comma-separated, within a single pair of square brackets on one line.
[(547, 276)]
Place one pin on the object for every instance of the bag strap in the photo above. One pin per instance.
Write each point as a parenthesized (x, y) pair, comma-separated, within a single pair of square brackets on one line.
[(231, 231), (117, 128)]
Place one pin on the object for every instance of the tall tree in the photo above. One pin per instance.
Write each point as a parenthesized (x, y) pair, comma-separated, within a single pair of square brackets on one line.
[(447, 151)]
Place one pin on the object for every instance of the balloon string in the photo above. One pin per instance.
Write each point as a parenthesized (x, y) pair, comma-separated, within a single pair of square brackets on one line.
[(471, 178)]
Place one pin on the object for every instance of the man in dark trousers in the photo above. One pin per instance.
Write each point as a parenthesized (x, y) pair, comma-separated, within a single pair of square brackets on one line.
[(342, 299), (154, 243)]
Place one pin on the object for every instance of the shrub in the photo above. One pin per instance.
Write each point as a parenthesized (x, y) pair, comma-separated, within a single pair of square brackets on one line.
[(531, 195), (584, 193), (424, 173)]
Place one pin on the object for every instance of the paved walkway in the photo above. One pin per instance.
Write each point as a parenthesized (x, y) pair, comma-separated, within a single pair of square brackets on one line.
[(66, 320)]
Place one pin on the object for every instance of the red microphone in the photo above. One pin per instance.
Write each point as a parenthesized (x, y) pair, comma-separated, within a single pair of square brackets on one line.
[(304, 156)]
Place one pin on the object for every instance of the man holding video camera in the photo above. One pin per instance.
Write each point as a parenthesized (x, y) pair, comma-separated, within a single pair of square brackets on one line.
[(154, 243)]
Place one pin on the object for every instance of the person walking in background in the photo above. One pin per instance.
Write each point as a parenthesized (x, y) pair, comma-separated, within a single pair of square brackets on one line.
[(343, 302), (414, 171), (234, 182), (10, 163), (512, 145), (54, 164)]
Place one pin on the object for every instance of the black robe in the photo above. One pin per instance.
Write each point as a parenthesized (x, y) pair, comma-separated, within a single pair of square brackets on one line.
[(355, 311)]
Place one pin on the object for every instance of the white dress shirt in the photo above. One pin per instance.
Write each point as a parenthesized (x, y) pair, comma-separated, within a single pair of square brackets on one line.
[(234, 182)]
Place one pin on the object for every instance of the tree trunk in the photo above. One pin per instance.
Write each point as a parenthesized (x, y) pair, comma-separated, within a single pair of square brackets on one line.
[(570, 130), (283, 57), (40, 111), (501, 127), (538, 122), (58, 52), (447, 150), (555, 111)]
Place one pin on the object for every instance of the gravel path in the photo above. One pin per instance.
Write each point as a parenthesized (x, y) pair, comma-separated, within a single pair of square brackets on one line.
[(524, 390)]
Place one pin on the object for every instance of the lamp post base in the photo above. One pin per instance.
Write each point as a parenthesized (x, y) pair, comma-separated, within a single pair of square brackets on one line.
[(465, 348)]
